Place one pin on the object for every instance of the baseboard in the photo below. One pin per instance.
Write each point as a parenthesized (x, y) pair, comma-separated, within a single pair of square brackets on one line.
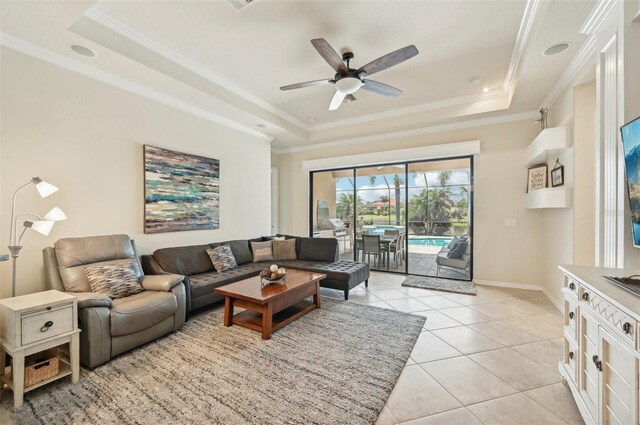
[(512, 285)]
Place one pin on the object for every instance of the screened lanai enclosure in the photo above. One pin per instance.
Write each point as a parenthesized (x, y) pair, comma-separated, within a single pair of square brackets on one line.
[(409, 217)]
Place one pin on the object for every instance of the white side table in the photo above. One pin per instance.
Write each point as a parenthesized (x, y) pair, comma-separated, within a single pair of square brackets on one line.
[(33, 323)]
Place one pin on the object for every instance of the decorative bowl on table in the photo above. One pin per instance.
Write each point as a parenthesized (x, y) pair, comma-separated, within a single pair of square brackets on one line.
[(273, 275)]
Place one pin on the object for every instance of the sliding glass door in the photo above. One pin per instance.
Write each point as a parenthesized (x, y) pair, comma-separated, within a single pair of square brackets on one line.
[(409, 217)]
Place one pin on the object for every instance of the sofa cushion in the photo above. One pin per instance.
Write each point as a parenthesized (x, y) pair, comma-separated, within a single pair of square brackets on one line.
[(338, 271), (114, 280), (184, 260), (458, 249), (222, 258), (141, 311), (284, 250), (262, 251), (241, 251), (75, 254), (202, 284), (319, 249)]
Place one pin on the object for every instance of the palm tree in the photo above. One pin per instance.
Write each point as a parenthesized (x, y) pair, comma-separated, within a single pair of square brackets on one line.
[(344, 207), (443, 177), (397, 182)]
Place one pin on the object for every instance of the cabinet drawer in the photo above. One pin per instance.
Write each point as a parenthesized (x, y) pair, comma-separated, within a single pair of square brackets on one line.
[(571, 316), (624, 324), (571, 285), (45, 324), (571, 359)]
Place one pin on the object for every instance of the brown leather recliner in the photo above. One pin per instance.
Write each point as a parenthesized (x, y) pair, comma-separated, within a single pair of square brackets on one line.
[(111, 327)]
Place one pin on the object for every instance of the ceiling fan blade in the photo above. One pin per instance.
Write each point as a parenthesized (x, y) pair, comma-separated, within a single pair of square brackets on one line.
[(380, 88), (389, 60), (329, 54), (336, 101), (306, 84)]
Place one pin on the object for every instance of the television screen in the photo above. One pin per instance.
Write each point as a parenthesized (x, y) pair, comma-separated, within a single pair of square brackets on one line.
[(631, 145)]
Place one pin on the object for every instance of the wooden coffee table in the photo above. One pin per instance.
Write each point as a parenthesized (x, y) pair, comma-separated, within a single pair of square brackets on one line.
[(269, 308)]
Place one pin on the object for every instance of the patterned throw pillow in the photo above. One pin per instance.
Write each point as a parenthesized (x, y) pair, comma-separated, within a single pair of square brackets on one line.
[(284, 249), (114, 280), (262, 251), (222, 258)]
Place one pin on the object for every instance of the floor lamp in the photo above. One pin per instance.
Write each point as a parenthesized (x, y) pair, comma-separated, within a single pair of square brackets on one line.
[(41, 225)]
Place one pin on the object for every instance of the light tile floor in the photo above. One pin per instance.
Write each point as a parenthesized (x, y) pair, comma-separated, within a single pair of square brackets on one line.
[(489, 359)]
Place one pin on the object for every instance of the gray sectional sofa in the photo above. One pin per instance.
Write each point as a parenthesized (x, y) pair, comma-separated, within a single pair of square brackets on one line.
[(313, 254)]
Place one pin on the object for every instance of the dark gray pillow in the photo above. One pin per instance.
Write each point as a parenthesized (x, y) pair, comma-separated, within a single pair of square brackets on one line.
[(458, 249), (319, 249), (184, 260), (453, 242), (241, 251)]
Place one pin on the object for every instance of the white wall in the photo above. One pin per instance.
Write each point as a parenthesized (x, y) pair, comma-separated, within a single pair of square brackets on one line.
[(86, 138), (502, 254)]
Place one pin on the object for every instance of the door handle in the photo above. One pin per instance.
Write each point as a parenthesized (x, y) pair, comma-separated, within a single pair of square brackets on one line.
[(585, 296), (571, 314)]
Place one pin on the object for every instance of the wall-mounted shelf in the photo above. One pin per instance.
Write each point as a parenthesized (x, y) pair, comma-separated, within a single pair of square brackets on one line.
[(548, 144), (551, 197)]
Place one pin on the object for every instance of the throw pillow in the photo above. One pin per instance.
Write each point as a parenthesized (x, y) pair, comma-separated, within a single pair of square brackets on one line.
[(114, 280), (458, 250), (453, 242), (222, 258), (284, 249), (241, 251), (262, 251)]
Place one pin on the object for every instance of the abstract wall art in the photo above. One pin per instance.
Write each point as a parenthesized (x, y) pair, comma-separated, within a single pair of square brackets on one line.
[(182, 191)]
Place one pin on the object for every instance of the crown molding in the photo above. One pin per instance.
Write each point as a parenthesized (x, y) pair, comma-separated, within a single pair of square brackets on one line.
[(119, 27), (429, 106), (532, 12), (43, 54), (440, 128), (598, 15)]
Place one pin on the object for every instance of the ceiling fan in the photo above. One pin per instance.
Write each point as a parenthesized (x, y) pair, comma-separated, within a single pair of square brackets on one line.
[(347, 80)]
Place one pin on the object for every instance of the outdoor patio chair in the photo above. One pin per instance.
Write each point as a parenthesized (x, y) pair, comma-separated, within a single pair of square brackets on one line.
[(398, 249), (371, 245)]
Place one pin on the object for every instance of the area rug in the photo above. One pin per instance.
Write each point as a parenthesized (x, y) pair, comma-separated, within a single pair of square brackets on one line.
[(438, 284), (336, 365)]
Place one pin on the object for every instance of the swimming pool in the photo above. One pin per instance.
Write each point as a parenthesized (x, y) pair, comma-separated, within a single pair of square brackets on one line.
[(430, 240)]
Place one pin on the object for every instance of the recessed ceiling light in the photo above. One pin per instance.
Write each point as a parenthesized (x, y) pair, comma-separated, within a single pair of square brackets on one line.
[(84, 51), (475, 81), (486, 90), (556, 48), (261, 126)]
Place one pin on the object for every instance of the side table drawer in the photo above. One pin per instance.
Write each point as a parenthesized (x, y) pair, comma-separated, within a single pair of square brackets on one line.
[(46, 324)]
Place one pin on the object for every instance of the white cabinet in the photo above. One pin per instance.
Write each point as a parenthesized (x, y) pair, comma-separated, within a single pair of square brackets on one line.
[(601, 363)]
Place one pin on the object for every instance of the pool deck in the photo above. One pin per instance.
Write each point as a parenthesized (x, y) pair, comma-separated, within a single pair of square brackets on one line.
[(422, 260)]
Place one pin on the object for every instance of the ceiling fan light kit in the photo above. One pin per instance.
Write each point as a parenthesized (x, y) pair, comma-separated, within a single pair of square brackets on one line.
[(348, 80)]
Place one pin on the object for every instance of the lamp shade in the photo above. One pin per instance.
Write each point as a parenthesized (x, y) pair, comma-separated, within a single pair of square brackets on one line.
[(55, 214), (44, 189), (41, 226)]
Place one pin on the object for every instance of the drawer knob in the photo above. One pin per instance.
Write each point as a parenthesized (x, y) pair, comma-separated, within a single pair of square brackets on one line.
[(585, 296), (595, 358), (571, 355), (626, 328), (571, 314), (46, 326), (572, 286)]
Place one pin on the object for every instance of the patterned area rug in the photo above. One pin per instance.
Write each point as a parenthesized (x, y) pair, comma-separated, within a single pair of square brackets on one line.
[(446, 285), (336, 365)]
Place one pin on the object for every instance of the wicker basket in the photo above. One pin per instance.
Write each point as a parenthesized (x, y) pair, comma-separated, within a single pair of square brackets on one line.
[(41, 366)]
